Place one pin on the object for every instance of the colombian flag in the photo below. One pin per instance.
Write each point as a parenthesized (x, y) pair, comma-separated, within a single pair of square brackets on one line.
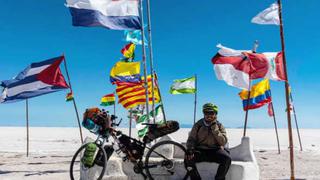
[(260, 94), (128, 72), (108, 100)]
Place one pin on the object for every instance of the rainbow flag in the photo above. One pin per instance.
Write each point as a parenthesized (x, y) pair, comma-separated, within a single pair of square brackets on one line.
[(260, 95), (69, 97), (108, 100)]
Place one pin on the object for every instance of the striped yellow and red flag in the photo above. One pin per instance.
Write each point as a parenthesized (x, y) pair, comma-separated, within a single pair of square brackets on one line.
[(133, 94)]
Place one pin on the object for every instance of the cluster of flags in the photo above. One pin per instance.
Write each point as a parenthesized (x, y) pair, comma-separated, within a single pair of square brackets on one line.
[(238, 67)]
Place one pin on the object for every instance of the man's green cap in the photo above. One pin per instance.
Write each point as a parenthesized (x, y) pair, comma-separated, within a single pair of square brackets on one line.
[(209, 107)]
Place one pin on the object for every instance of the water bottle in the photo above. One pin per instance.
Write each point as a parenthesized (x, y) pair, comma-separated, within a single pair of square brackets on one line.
[(91, 126)]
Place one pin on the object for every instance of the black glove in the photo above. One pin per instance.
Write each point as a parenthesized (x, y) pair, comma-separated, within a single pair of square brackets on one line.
[(190, 151)]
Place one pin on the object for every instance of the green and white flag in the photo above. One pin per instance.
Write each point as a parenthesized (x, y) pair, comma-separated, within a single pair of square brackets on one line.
[(184, 86), (159, 119)]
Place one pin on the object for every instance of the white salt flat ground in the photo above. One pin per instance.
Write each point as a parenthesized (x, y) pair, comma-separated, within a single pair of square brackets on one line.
[(51, 150)]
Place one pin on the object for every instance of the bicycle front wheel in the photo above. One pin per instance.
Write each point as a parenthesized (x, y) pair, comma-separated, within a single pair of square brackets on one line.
[(79, 171), (161, 164)]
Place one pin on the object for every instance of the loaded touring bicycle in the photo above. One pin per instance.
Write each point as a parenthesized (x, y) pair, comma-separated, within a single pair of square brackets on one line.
[(148, 158)]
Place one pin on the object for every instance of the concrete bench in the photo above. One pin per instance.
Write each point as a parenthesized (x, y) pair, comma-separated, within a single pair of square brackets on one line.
[(244, 165)]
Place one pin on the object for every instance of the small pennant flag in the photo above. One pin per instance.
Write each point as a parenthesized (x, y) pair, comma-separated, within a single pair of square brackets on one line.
[(134, 36), (69, 96), (128, 51), (108, 100), (270, 110)]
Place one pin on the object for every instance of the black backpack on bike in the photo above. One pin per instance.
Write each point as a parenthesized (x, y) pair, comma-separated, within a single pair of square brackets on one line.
[(159, 130)]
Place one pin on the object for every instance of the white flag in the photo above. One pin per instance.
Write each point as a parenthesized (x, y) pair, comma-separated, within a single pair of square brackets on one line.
[(268, 16)]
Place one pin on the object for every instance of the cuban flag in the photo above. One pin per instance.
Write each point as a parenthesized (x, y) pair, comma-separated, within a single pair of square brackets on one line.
[(111, 14), (37, 79)]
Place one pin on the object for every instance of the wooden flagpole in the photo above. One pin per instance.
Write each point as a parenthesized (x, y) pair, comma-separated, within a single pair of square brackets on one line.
[(144, 59), (73, 99), (195, 100), (151, 58), (27, 123), (296, 121), (287, 93), (254, 49)]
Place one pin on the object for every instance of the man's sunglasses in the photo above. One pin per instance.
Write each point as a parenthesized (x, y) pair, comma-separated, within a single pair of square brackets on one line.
[(210, 113)]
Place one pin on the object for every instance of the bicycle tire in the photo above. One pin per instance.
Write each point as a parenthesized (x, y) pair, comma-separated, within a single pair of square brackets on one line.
[(77, 154), (167, 162)]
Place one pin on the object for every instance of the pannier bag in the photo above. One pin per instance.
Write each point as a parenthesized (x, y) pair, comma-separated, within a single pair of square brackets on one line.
[(159, 130)]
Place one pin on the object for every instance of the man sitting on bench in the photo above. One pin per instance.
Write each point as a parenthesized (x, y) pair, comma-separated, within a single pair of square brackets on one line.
[(206, 143)]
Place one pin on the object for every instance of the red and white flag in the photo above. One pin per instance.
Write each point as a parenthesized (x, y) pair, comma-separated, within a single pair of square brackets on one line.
[(231, 66)]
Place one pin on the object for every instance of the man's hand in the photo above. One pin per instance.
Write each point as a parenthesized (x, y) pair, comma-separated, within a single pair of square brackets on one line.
[(215, 128)]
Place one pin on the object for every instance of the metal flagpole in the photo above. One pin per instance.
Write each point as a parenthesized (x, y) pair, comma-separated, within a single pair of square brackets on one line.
[(114, 106), (130, 122), (247, 110), (254, 49), (144, 59), (195, 100), (162, 106), (73, 99), (296, 121), (151, 57), (27, 121), (287, 93)]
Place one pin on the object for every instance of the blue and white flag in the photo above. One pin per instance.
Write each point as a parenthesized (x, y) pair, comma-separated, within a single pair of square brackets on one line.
[(37, 79), (111, 14), (268, 16)]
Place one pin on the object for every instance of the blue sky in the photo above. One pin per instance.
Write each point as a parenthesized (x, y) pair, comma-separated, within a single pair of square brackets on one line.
[(185, 34)]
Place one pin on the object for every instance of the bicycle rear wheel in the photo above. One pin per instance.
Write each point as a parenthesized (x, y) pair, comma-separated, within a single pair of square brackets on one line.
[(79, 171), (160, 164)]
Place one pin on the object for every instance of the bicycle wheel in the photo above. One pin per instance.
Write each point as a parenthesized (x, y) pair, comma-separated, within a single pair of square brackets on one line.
[(79, 171), (160, 164)]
